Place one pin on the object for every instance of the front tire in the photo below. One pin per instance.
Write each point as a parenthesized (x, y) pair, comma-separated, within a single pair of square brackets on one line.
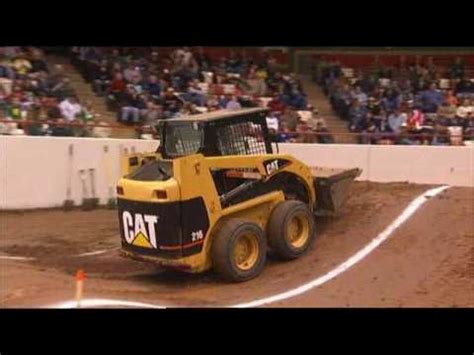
[(239, 250)]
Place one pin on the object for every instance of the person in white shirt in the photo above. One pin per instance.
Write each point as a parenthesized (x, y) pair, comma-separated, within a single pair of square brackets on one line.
[(70, 108), (464, 110), (273, 123)]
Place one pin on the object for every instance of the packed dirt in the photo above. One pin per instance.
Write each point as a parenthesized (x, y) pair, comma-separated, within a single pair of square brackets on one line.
[(427, 262)]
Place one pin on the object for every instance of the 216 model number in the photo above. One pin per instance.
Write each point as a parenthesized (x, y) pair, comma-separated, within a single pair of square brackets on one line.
[(195, 236)]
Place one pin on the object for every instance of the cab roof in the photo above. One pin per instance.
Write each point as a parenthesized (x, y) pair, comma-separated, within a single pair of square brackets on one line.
[(217, 115)]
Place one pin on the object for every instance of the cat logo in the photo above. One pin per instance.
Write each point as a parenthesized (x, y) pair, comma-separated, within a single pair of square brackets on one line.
[(271, 167), (140, 230)]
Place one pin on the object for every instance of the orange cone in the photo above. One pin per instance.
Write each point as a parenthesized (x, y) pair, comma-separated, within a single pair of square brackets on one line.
[(80, 277)]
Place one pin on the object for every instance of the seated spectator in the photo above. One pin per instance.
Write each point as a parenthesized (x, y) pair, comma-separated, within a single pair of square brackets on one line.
[(324, 135), (446, 112), (131, 71), (233, 104), (195, 95), (290, 117), (101, 81), (396, 120), (38, 63), (153, 86), (171, 103), (21, 64), (117, 91), (359, 95), (70, 108), (276, 104), (304, 132), (14, 110), (212, 103), (465, 109), (357, 116), (50, 105), (189, 109), (415, 119), (440, 135), (285, 135), (59, 128), (132, 104), (152, 114), (457, 69), (369, 131), (451, 98), (464, 86), (87, 113), (431, 99), (295, 99), (390, 100), (273, 123)]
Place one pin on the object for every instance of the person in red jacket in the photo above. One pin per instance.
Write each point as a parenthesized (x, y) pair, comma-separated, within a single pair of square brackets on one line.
[(116, 91), (276, 104)]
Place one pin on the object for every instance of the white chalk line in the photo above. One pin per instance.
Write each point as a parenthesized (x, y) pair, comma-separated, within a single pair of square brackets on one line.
[(101, 302), (98, 252), (9, 257), (354, 259), (91, 253)]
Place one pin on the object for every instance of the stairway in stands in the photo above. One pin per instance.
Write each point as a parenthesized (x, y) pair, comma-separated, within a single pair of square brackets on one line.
[(317, 98), (85, 93)]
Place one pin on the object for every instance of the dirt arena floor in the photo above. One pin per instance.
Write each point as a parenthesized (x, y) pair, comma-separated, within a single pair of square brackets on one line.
[(427, 262)]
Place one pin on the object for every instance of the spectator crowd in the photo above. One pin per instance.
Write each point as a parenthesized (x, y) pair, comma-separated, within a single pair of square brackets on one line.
[(147, 84), (416, 102), (37, 99), (409, 103)]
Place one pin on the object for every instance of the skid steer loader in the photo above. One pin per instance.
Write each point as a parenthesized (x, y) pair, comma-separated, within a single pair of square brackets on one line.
[(214, 195)]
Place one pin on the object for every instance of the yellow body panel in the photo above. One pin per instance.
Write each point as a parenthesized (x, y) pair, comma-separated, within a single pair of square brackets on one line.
[(192, 178)]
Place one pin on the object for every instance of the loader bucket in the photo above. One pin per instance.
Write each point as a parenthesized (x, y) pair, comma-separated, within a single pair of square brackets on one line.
[(332, 188)]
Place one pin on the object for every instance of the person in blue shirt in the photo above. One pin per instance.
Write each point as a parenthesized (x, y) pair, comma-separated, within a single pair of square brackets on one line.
[(297, 100), (357, 116), (391, 100), (431, 99), (153, 86)]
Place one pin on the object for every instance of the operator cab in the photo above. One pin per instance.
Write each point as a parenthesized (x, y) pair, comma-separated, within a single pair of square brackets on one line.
[(219, 133)]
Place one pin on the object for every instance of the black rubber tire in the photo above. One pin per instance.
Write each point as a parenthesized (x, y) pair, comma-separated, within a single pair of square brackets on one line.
[(277, 229), (223, 245)]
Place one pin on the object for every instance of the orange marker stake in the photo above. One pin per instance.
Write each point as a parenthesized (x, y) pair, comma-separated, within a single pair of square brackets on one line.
[(80, 277)]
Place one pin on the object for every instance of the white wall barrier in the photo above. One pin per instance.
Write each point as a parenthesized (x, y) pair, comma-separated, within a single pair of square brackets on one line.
[(389, 163), (35, 172)]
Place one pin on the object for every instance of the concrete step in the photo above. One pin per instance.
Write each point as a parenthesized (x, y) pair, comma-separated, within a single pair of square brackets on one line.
[(85, 93), (317, 98)]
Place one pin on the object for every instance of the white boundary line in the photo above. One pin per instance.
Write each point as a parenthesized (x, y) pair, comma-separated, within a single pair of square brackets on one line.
[(101, 302), (98, 252), (8, 257), (354, 259)]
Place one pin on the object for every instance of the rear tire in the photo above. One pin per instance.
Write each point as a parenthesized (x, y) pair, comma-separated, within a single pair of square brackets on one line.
[(239, 250), (291, 230)]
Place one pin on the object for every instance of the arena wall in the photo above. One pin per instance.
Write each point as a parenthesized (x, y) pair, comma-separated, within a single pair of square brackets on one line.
[(35, 171), (389, 163)]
